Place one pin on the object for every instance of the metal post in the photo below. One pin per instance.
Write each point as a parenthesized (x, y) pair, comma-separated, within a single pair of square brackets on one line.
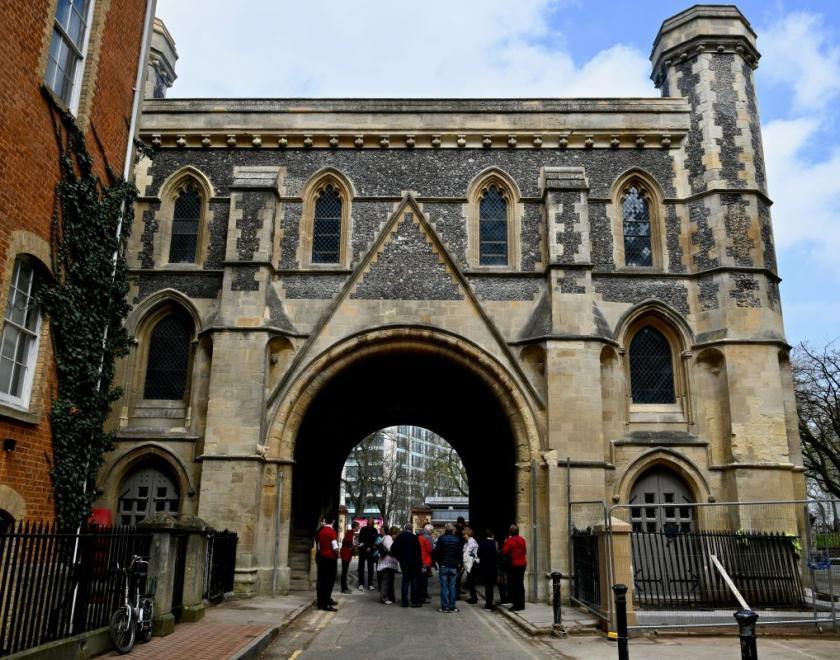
[(557, 629), (620, 592), (746, 631)]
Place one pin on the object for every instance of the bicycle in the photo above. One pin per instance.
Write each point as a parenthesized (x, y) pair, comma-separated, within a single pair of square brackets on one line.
[(131, 620)]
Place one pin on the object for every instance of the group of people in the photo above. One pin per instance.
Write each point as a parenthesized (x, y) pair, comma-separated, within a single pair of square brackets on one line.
[(460, 559)]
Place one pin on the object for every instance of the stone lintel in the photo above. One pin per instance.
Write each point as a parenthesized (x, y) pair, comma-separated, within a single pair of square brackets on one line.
[(563, 178), (256, 176)]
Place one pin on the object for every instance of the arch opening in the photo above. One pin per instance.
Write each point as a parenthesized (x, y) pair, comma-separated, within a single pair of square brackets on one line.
[(394, 470), (406, 388)]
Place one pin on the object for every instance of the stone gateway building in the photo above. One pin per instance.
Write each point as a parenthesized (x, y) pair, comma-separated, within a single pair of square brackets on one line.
[(581, 287)]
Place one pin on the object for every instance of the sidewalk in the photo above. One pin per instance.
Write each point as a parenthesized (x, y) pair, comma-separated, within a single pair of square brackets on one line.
[(236, 629), (538, 619)]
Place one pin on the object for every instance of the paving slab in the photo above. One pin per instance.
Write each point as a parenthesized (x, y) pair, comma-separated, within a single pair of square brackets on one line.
[(237, 629)]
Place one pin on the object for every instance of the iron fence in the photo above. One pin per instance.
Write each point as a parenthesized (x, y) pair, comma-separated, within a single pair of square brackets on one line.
[(54, 584), (584, 556), (220, 565), (675, 570), (778, 554)]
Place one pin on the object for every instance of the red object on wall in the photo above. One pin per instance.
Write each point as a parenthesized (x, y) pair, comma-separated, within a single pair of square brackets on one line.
[(102, 517)]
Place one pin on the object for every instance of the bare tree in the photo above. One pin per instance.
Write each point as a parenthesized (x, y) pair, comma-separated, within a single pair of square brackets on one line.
[(817, 383), (446, 475), (362, 477)]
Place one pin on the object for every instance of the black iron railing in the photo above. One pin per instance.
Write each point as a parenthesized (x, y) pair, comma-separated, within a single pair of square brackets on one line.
[(674, 569), (221, 563), (587, 582), (55, 584)]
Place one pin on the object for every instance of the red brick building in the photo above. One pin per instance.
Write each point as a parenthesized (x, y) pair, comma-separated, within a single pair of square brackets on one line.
[(87, 53)]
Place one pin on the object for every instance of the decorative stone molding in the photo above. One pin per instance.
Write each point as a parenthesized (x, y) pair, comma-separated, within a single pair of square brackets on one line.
[(629, 139)]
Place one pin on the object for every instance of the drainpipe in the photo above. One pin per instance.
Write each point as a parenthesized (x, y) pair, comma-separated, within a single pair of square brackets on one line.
[(278, 501), (535, 571)]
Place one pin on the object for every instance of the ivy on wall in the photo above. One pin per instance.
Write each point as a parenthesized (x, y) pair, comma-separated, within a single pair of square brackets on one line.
[(86, 305)]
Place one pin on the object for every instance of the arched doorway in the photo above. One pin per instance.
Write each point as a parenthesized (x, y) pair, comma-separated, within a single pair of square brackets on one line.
[(661, 486), (146, 490), (404, 375), (393, 388)]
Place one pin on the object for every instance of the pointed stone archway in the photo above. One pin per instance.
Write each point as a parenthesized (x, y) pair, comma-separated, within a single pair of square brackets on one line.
[(410, 375)]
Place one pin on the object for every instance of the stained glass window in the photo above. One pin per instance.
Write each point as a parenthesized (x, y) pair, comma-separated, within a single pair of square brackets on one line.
[(493, 219), (326, 230), (636, 216), (651, 367), (169, 357), (185, 220)]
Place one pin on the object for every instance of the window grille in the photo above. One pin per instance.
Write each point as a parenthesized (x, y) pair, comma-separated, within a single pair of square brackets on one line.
[(185, 219), (651, 367), (636, 215), (493, 219), (67, 47), (21, 325), (326, 231), (169, 356)]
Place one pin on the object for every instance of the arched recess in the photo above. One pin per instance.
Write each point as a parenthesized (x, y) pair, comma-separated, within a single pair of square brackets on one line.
[(612, 409), (671, 325), (714, 420), (292, 400), (12, 502), (508, 189), (183, 178), (649, 191), (129, 460), (667, 458), (418, 358), (160, 413), (319, 182)]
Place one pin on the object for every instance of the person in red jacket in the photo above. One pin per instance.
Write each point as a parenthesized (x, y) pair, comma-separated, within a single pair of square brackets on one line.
[(346, 554), (427, 547), (514, 552), (326, 560)]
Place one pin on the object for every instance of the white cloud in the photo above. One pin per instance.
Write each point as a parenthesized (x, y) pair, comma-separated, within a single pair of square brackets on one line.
[(801, 151), (806, 212), (797, 52), (489, 48)]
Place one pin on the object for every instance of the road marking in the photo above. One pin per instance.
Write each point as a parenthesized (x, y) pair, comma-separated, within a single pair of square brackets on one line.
[(786, 647), (296, 654)]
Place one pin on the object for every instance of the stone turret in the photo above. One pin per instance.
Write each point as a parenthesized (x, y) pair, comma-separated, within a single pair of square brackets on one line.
[(160, 69), (707, 54)]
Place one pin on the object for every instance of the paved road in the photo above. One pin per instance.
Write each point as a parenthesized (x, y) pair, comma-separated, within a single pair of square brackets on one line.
[(365, 629)]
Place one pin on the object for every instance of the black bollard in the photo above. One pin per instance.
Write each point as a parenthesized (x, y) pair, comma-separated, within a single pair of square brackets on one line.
[(557, 630), (746, 631), (620, 592)]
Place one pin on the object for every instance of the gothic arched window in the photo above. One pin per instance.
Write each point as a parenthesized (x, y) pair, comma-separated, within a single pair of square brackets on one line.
[(651, 367), (493, 228), (326, 229), (635, 213), (168, 359), (183, 245)]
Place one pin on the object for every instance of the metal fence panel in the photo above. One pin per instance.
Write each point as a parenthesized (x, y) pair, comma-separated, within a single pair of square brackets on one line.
[(45, 595)]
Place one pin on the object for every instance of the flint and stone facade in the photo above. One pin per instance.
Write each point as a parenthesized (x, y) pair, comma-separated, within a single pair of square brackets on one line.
[(523, 366)]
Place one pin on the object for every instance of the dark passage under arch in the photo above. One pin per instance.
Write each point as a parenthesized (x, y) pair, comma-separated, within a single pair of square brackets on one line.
[(396, 388)]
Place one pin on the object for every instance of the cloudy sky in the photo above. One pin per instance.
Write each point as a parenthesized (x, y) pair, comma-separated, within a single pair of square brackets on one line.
[(276, 48)]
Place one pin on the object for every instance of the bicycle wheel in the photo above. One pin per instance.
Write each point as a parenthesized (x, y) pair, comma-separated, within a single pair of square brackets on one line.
[(145, 629), (121, 630)]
